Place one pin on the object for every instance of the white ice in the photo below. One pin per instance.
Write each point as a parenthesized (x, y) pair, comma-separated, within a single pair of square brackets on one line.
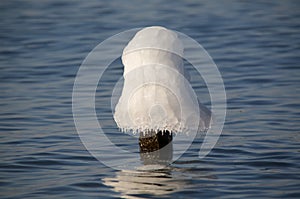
[(156, 93)]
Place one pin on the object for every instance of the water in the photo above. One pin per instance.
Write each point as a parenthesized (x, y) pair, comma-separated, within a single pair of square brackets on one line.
[(256, 47)]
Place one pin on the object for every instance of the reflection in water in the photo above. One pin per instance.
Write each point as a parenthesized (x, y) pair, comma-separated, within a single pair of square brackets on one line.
[(154, 178), (157, 178), (133, 183)]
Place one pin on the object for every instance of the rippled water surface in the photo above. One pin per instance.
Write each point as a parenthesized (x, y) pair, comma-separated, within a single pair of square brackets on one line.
[(256, 47)]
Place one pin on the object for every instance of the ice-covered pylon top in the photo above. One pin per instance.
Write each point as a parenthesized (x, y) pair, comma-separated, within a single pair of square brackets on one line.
[(156, 95), (155, 37), (153, 45)]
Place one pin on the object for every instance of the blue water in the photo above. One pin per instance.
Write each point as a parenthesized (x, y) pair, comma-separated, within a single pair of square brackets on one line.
[(256, 47)]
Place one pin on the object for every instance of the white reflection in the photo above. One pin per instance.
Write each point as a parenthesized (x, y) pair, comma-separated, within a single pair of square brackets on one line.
[(153, 178), (133, 183)]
